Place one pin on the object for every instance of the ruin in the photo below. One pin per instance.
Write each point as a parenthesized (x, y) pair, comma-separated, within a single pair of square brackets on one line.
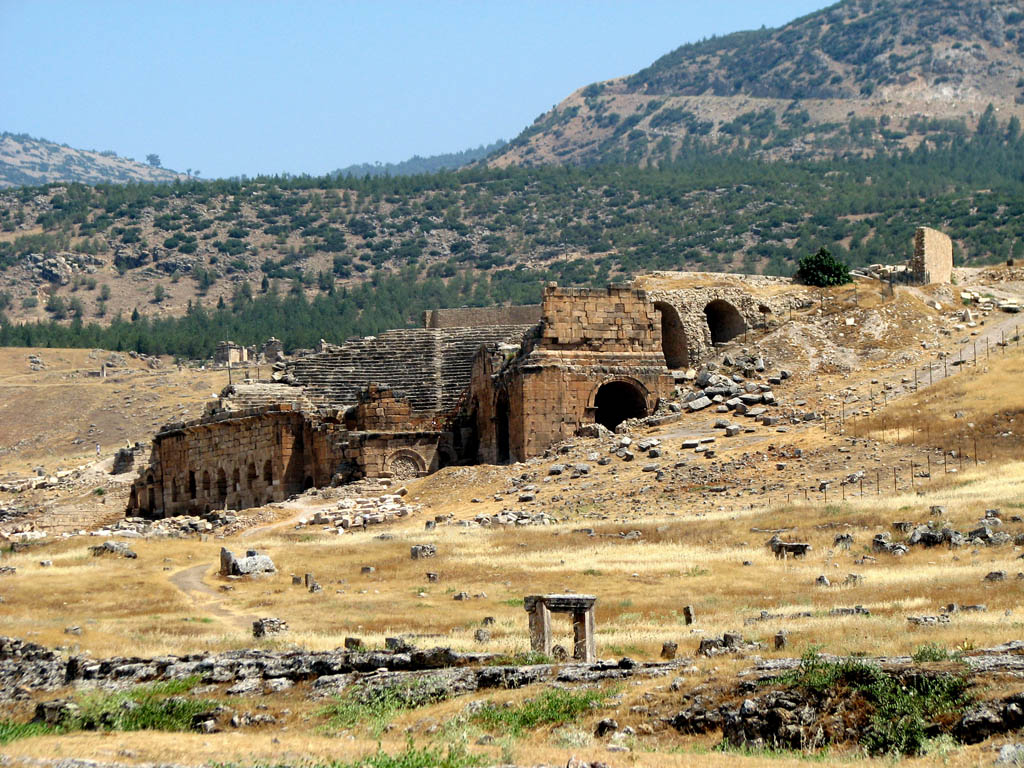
[(491, 385), (540, 608), (933, 257)]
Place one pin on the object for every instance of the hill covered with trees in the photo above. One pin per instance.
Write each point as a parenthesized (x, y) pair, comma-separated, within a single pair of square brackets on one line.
[(448, 161), (860, 77), (175, 267), (25, 160)]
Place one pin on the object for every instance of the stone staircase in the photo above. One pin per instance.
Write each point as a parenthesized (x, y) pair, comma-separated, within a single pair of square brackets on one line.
[(431, 367)]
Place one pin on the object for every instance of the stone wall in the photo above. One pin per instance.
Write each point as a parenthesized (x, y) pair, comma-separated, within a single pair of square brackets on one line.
[(693, 320), (475, 317), (589, 341), (933, 256)]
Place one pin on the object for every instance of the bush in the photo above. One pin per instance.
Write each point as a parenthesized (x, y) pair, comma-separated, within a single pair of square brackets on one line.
[(823, 269)]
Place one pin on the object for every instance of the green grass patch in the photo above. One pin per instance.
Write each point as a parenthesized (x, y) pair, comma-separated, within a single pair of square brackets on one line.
[(11, 731), (455, 756), (376, 705), (154, 707), (520, 659), (934, 652), (905, 711), (554, 706)]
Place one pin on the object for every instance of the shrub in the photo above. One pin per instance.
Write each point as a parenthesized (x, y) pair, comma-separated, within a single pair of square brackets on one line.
[(378, 705), (823, 269)]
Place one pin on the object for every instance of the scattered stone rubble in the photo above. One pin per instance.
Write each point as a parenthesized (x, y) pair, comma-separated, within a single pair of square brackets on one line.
[(360, 512)]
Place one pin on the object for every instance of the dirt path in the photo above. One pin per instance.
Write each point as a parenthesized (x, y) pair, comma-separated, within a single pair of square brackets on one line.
[(206, 599)]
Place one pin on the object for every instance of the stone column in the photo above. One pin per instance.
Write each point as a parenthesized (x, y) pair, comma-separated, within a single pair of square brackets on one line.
[(584, 642), (540, 625)]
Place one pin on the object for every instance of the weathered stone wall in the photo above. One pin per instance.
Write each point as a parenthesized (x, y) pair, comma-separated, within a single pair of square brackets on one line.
[(476, 317), (228, 352), (587, 339), (693, 319), (933, 256)]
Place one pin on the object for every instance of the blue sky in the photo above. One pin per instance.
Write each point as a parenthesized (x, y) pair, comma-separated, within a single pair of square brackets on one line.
[(234, 88)]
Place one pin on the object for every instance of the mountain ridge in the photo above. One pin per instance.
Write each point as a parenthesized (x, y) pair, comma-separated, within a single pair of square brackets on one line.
[(860, 76), (28, 161)]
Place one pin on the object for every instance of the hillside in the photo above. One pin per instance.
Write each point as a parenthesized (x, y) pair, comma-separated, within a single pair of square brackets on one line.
[(862, 76), (25, 161), (417, 164), (310, 258)]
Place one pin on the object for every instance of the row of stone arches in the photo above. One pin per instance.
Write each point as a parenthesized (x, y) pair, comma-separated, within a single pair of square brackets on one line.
[(207, 490), (722, 322)]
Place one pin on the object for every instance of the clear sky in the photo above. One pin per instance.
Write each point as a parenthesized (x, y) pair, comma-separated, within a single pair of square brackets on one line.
[(231, 87)]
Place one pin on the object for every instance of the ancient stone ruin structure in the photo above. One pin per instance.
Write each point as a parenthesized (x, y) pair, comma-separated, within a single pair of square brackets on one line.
[(933, 257), (540, 608), (461, 390), (229, 353)]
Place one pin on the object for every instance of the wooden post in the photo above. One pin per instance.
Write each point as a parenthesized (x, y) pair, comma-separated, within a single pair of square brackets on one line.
[(894, 479), (975, 450), (878, 482)]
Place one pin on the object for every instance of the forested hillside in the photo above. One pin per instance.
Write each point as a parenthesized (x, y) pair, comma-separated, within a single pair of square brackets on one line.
[(860, 77), (25, 160), (448, 161), (305, 258)]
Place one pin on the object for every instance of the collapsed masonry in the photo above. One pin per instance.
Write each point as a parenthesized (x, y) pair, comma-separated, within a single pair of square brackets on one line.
[(482, 385)]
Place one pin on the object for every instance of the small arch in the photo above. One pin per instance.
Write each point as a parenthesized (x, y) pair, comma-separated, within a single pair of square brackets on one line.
[(673, 338), (268, 472), (405, 464), (724, 321), (764, 309), (192, 484), (250, 474), (618, 400), (222, 485), (236, 481), (307, 483), (206, 483)]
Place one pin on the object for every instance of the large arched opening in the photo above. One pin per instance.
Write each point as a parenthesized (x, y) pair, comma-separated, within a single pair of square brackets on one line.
[(724, 321), (502, 415), (673, 340), (617, 401), (222, 486), (250, 475)]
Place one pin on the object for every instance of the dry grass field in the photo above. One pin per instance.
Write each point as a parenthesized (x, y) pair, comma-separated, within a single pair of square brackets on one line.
[(695, 548)]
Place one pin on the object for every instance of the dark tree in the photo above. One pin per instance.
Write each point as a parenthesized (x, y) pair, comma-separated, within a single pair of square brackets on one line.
[(823, 269), (153, 159)]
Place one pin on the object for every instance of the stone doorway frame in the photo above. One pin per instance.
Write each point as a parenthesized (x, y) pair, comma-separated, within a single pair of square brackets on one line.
[(540, 608)]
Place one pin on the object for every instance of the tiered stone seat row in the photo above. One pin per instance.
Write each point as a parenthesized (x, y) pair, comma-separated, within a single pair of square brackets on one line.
[(430, 367)]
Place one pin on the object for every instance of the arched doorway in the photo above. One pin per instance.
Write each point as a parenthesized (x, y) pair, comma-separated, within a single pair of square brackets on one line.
[(617, 401), (502, 428), (206, 484), (222, 485), (724, 321), (268, 473), (250, 475), (673, 340)]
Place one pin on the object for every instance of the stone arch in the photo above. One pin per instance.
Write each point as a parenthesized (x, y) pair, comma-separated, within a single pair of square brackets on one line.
[(503, 427), (250, 474), (133, 500), (308, 483), (222, 485), (174, 489), (405, 464), (724, 321), (236, 480), (619, 399), (192, 484), (206, 484), (674, 344), (268, 472)]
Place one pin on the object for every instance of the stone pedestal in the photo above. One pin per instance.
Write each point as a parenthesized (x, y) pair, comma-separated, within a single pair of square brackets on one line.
[(581, 607)]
